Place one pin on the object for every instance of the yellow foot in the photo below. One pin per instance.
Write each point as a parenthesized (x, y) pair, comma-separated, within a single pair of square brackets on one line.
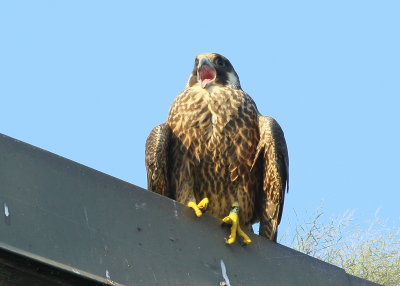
[(198, 208), (233, 219)]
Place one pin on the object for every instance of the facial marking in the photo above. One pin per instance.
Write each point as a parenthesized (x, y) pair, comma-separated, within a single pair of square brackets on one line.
[(232, 79)]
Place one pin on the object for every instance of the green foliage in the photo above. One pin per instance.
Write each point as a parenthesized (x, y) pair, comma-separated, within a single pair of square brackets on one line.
[(372, 253)]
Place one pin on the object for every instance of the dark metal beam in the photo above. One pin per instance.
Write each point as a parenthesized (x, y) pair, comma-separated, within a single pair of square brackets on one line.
[(24, 269), (97, 228)]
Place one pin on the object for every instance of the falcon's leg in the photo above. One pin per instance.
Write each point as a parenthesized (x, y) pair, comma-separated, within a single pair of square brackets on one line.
[(184, 182), (233, 219), (198, 208)]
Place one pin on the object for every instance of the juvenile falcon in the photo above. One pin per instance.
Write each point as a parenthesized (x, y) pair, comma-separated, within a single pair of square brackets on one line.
[(216, 151)]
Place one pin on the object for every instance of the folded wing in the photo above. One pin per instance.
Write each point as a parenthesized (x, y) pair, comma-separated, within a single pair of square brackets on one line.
[(273, 153), (156, 156)]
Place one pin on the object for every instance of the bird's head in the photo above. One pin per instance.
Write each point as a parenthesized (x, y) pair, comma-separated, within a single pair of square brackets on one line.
[(213, 69)]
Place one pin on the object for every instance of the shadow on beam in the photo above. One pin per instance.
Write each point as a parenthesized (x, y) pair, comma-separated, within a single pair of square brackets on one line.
[(67, 224)]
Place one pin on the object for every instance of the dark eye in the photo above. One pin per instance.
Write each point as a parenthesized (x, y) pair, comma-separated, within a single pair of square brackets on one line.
[(220, 62)]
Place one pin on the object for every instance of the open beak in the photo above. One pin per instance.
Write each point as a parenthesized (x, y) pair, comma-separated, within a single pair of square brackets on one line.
[(206, 72)]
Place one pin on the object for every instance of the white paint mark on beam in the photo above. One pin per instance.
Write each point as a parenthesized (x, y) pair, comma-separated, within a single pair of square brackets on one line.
[(6, 210), (175, 210), (223, 269), (140, 206), (155, 278), (108, 276), (86, 216)]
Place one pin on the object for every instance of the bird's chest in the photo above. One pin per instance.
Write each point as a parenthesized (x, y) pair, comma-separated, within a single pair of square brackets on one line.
[(211, 118), (200, 119)]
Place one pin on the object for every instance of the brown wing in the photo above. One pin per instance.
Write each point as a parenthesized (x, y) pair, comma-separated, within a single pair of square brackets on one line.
[(157, 147), (275, 160)]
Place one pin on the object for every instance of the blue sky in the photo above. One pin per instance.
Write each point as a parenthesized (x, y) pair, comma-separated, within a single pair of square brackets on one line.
[(89, 79)]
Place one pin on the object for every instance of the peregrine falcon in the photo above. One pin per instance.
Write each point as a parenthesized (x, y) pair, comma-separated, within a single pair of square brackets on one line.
[(217, 152)]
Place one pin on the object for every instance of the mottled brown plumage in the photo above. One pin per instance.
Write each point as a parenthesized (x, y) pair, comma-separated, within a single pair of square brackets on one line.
[(215, 144)]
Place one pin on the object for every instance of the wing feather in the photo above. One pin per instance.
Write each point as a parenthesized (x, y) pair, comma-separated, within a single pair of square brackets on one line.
[(275, 160), (156, 157)]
